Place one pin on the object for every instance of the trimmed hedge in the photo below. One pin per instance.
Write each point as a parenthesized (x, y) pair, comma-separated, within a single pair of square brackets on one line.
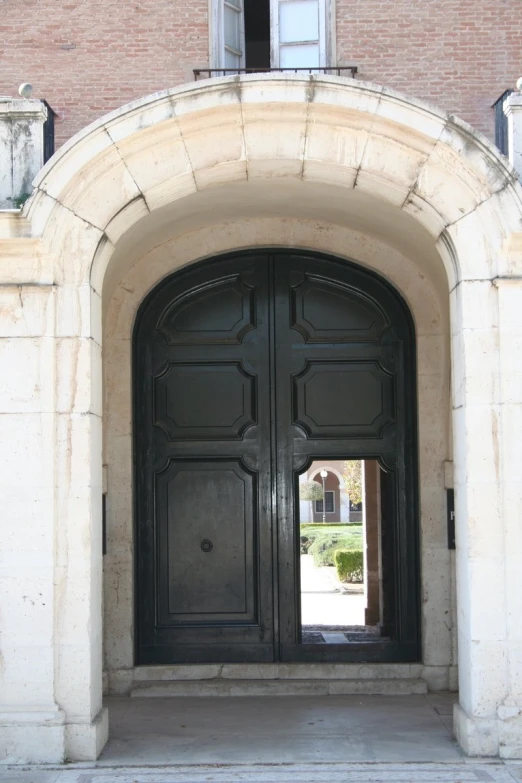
[(323, 549), (321, 541), (323, 525), (349, 564)]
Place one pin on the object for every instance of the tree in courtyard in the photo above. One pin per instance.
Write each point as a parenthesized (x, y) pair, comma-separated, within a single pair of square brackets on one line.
[(352, 475), (310, 490)]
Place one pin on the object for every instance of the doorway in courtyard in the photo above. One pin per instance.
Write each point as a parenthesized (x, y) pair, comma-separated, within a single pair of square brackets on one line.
[(275, 464)]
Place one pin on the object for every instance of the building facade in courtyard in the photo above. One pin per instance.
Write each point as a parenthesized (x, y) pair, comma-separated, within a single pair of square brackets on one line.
[(222, 283)]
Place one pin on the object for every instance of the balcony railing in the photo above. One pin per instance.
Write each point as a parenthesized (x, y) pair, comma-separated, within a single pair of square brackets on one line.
[(208, 73)]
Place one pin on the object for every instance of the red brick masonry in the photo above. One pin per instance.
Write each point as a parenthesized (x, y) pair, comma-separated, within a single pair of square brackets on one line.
[(87, 57)]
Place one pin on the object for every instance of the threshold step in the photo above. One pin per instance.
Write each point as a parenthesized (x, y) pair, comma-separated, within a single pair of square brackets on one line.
[(293, 687), (278, 671)]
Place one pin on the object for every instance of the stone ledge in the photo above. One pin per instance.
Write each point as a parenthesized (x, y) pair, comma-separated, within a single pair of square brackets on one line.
[(25, 108), (274, 671), (308, 687)]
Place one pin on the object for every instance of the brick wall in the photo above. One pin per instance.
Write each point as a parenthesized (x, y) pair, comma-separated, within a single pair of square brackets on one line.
[(458, 54), (87, 57)]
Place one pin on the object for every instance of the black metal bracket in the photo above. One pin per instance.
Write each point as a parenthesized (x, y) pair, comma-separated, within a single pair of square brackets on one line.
[(104, 524), (450, 504)]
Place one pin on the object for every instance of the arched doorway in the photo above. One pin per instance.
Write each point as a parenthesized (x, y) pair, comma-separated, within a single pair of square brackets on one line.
[(363, 173), (247, 368)]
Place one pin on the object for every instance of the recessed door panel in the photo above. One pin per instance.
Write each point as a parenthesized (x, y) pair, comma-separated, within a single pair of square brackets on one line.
[(328, 311), (206, 543), (343, 399), (204, 400), (218, 311)]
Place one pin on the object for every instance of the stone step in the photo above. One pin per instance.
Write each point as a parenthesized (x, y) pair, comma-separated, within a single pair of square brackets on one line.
[(278, 671), (278, 687)]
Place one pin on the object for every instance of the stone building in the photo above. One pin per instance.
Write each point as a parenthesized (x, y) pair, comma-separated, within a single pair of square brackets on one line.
[(336, 500), (223, 280)]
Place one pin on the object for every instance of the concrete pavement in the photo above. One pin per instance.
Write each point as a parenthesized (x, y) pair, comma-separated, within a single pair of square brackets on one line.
[(463, 772), (332, 739)]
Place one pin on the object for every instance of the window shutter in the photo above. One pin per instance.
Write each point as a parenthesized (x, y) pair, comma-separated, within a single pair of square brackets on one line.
[(501, 125), (298, 33), (232, 34)]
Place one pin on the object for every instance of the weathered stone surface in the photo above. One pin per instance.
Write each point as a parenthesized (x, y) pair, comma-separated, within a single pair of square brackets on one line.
[(21, 148), (280, 686), (274, 773)]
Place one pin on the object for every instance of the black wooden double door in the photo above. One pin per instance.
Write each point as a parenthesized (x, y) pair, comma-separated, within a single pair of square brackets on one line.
[(246, 368)]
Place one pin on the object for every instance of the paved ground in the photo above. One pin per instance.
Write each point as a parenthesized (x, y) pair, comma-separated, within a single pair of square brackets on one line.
[(283, 730), (334, 739), (476, 772), (322, 603)]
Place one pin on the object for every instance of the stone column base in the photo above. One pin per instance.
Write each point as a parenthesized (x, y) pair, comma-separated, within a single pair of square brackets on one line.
[(510, 732), (32, 737), (499, 736), (85, 741), (476, 736)]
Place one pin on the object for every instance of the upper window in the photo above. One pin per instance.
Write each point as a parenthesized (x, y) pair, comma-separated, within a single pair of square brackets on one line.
[(232, 28), (329, 499), (262, 34), (501, 124)]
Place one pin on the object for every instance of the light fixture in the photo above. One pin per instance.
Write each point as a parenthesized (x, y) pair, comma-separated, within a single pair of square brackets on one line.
[(25, 90)]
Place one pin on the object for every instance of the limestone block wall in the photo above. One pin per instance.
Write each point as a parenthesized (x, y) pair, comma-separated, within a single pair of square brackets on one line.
[(50, 492)]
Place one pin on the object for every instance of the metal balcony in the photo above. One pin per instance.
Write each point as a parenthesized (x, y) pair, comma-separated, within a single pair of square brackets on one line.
[(208, 73)]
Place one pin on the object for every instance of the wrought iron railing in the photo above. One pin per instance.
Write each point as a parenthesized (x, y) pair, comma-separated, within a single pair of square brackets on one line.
[(208, 73)]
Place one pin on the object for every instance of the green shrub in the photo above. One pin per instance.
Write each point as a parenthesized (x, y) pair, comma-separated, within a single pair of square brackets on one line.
[(318, 549), (322, 525), (349, 565), (323, 552), (321, 540), (322, 548)]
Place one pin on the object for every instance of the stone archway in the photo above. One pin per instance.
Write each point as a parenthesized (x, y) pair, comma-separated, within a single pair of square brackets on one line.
[(340, 507), (234, 150), (330, 469), (430, 314)]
